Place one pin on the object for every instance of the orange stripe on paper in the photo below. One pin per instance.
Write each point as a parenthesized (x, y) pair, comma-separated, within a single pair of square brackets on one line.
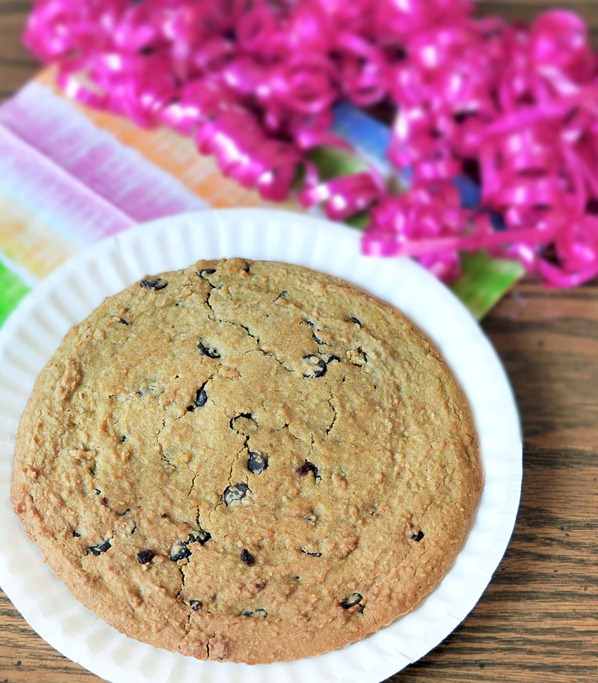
[(175, 154), (26, 240)]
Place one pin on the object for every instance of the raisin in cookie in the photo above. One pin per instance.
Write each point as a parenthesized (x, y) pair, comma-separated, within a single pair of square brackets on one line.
[(247, 461)]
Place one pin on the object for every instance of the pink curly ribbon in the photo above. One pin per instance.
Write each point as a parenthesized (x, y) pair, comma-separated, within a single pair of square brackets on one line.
[(253, 82)]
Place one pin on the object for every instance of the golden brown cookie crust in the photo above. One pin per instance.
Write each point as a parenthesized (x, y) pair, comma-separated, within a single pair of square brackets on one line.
[(247, 461)]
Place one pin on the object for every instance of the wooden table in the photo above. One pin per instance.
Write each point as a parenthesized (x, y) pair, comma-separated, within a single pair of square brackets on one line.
[(538, 620)]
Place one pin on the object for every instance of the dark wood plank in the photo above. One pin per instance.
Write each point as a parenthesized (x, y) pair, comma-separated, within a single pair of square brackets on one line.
[(549, 344), (17, 65), (25, 657)]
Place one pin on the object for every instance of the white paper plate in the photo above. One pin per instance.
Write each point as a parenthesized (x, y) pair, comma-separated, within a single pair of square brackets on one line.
[(35, 330)]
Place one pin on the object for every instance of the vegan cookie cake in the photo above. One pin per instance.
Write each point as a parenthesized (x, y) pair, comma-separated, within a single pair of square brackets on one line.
[(247, 461)]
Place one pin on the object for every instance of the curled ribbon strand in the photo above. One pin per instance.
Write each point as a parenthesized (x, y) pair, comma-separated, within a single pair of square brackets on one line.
[(253, 82)]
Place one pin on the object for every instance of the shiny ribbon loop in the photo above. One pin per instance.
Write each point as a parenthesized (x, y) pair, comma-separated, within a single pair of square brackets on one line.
[(254, 82)]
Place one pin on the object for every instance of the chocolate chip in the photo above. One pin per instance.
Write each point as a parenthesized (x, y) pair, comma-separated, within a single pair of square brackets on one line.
[(352, 600), (256, 462), (315, 337), (260, 612), (123, 438), (99, 548), (283, 294), (358, 357), (247, 416), (246, 267), (164, 515), (195, 605), (153, 283), (201, 536), (247, 557), (305, 551), (180, 552), (145, 556), (77, 534), (418, 536), (98, 491), (308, 467), (331, 359), (201, 398), (319, 366), (242, 423), (355, 320), (122, 321), (202, 272), (235, 493), (207, 351)]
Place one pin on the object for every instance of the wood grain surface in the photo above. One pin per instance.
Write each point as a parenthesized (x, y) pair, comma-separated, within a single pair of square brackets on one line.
[(538, 619)]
